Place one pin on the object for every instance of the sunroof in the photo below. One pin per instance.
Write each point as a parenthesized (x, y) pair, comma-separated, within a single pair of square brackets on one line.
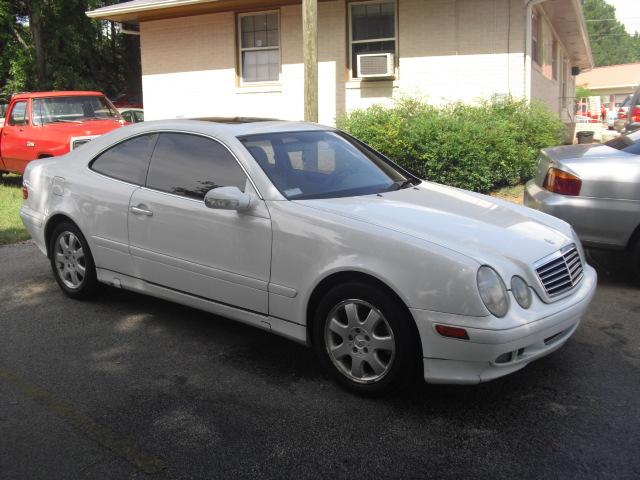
[(234, 119)]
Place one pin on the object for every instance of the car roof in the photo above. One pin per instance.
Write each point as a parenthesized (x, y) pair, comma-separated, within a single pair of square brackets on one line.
[(69, 93), (231, 129)]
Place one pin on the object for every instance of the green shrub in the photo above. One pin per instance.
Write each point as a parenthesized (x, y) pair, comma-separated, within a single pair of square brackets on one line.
[(476, 147)]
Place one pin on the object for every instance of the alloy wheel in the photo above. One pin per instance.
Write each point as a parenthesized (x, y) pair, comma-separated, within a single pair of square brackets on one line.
[(70, 260), (359, 341)]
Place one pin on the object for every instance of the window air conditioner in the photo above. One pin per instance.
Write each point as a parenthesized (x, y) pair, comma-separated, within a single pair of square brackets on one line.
[(375, 65)]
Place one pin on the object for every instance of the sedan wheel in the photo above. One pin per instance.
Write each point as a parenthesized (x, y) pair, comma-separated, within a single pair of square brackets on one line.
[(366, 338), (359, 341), (71, 261)]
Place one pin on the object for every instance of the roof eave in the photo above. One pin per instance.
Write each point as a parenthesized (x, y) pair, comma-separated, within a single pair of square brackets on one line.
[(122, 12), (582, 26)]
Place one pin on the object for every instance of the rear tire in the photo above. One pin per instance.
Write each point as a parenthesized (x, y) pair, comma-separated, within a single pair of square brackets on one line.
[(366, 339), (71, 262)]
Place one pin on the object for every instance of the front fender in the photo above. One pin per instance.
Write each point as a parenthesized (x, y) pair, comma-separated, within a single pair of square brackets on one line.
[(311, 245)]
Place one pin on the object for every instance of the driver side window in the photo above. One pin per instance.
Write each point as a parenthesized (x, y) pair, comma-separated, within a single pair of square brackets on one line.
[(191, 165)]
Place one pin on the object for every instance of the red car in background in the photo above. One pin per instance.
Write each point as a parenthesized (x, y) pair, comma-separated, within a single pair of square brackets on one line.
[(127, 100), (49, 124)]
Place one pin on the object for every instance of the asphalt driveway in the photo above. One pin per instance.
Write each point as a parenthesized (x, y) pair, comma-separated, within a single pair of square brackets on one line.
[(128, 386)]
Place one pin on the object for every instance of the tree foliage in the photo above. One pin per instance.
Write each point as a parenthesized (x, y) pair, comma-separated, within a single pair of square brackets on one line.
[(610, 42), (52, 44)]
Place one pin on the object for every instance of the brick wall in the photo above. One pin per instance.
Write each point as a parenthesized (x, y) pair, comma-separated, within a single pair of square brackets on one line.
[(448, 50)]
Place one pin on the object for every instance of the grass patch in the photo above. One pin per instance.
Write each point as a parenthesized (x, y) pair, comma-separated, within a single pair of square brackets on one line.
[(512, 194), (12, 229)]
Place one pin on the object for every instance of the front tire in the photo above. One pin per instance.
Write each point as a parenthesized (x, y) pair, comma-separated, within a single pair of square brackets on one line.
[(366, 339), (71, 262)]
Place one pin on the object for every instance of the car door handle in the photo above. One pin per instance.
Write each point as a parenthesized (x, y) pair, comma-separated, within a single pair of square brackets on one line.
[(141, 211), (30, 143)]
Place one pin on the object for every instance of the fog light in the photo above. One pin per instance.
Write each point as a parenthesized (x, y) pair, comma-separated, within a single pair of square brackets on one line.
[(25, 192)]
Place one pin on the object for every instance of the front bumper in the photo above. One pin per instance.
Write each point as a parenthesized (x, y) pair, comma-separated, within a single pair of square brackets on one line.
[(493, 353)]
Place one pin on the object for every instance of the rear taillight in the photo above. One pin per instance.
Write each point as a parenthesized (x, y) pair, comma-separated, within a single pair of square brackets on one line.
[(25, 192), (564, 183), (635, 116)]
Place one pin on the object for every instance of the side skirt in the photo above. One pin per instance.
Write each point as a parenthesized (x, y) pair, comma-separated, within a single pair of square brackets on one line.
[(284, 328)]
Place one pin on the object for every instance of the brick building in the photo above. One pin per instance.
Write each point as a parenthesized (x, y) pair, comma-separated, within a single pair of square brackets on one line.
[(244, 57)]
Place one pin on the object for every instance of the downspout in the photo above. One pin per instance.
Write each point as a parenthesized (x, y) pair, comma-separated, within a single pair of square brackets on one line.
[(527, 46)]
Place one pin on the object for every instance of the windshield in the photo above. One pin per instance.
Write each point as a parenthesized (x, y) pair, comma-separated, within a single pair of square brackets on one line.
[(72, 109), (322, 164), (629, 143)]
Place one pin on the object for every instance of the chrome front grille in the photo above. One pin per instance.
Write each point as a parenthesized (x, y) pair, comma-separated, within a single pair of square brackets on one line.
[(561, 272)]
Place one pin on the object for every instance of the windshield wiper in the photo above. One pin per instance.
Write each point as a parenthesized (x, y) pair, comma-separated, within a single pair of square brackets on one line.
[(400, 184)]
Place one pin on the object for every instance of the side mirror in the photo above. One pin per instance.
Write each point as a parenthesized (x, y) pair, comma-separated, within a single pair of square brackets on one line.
[(228, 198)]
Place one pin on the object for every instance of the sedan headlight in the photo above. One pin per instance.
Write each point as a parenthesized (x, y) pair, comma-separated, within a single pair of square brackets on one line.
[(492, 291), (521, 292)]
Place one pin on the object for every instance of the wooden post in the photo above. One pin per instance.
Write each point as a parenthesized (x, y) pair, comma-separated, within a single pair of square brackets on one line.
[(310, 53)]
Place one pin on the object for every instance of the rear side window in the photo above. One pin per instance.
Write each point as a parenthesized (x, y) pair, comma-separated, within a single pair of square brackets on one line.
[(191, 165), (629, 143), (127, 161), (19, 114)]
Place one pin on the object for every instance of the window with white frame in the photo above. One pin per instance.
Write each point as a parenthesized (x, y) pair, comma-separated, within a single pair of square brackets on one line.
[(535, 36), (372, 29), (259, 47)]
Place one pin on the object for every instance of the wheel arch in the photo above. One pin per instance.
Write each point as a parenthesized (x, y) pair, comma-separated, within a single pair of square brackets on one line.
[(50, 226), (634, 238), (346, 276)]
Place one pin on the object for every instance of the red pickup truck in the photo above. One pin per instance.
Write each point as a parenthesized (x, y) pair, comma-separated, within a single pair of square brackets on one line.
[(48, 124)]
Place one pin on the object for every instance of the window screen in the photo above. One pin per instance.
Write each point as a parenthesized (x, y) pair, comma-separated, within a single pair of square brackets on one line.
[(127, 161), (259, 47), (191, 165), (373, 30)]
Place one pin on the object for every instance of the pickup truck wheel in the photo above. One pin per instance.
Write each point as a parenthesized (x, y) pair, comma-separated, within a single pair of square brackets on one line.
[(366, 339), (72, 262)]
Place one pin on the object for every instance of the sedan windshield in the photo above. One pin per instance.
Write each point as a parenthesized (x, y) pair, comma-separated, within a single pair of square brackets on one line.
[(323, 164), (72, 109), (629, 143)]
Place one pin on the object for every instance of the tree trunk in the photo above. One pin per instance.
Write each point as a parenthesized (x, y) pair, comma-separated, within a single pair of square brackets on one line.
[(35, 25)]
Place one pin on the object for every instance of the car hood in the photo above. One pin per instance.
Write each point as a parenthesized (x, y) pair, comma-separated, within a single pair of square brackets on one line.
[(478, 226), (87, 128)]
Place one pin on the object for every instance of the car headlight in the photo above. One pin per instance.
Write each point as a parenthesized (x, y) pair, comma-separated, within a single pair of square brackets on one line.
[(521, 292), (492, 291)]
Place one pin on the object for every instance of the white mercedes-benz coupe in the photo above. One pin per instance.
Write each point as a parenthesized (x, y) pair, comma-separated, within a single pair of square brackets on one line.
[(304, 231)]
